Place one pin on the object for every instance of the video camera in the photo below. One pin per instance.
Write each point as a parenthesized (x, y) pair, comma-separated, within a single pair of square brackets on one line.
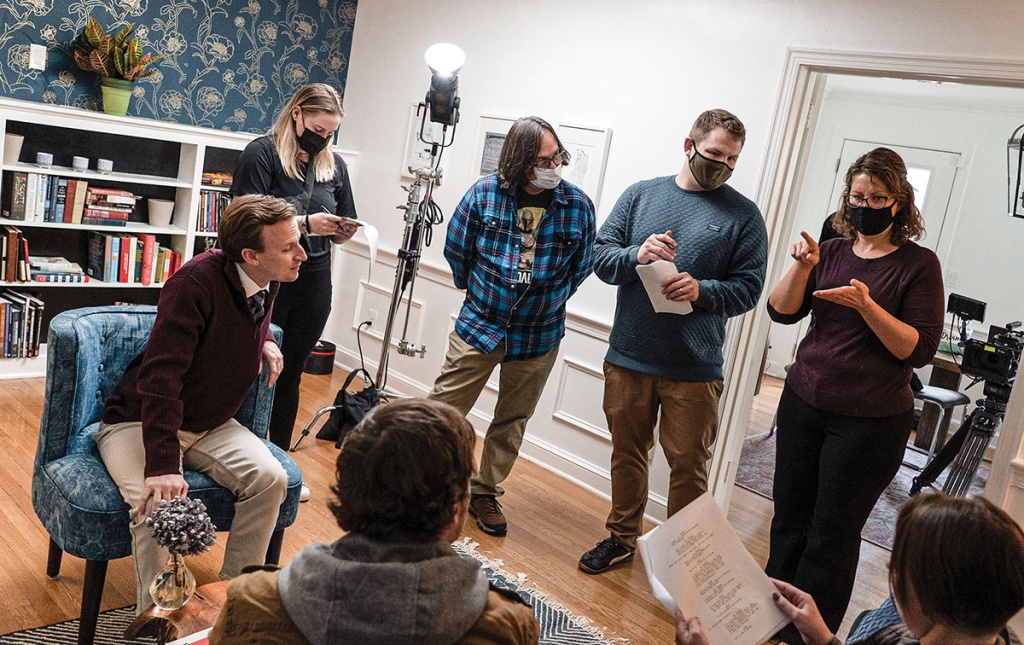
[(995, 360)]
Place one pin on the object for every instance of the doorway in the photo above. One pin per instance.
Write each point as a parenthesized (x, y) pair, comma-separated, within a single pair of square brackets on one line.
[(785, 172), (932, 173)]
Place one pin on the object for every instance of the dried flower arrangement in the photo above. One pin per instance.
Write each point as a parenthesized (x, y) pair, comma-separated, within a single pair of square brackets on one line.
[(182, 526)]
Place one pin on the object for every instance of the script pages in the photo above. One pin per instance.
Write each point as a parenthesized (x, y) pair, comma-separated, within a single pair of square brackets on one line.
[(651, 276), (696, 562)]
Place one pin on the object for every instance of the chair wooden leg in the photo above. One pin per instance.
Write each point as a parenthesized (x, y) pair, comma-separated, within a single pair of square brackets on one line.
[(92, 592), (274, 548), (53, 560)]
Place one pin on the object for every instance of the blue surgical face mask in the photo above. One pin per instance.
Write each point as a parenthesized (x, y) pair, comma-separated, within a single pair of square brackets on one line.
[(546, 178)]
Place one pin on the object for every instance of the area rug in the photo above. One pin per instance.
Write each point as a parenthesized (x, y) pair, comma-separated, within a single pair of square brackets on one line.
[(757, 467), (558, 625)]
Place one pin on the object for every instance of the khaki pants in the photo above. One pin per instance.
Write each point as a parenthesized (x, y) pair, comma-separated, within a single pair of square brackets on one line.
[(687, 430), (520, 384), (233, 457)]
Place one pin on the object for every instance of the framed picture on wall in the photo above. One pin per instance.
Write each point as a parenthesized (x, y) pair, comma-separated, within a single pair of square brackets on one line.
[(417, 153), (489, 140), (588, 152)]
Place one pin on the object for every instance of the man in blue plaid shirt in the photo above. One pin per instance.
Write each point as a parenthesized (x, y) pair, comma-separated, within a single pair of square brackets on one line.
[(520, 243)]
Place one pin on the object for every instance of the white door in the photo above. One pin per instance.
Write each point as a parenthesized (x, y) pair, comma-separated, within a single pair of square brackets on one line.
[(932, 173)]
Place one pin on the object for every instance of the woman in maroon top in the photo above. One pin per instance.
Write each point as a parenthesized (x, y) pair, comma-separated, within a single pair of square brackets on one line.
[(846, 410)]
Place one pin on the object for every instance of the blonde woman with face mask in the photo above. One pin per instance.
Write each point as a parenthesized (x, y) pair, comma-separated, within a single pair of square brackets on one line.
[(294, 161)]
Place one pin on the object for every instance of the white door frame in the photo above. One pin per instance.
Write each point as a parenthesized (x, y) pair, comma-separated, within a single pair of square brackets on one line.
[(781, 174)]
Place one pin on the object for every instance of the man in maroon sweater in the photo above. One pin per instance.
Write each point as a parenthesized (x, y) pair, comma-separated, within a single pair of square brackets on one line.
[(174, 406)]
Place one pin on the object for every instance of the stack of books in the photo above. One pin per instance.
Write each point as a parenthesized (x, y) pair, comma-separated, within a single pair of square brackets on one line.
[(38, 197), (217, 179), (130, 259), (108, 206), (21, 323), (55, 269)]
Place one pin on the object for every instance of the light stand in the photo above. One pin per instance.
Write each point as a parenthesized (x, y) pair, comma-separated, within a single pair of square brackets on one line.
[(441, 105), (421, 212)]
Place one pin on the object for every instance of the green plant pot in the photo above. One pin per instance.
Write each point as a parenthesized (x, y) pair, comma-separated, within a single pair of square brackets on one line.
[(116, 94)]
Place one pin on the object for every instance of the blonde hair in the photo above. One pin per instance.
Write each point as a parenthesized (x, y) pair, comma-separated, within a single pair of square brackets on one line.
[(313, 98)]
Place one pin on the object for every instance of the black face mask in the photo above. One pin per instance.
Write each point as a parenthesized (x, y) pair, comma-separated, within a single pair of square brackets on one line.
[(312, 143), (870, 221)]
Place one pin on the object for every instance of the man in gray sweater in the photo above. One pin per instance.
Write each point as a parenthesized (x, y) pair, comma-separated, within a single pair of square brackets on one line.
[(717, 240)]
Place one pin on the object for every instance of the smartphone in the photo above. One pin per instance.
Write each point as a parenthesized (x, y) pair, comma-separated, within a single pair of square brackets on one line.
[(349, 220)]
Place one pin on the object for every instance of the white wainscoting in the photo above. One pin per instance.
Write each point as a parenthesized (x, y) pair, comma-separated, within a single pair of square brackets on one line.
[(567, 435)]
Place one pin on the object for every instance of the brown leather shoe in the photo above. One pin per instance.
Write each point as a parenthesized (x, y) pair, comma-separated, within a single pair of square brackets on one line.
[(487, 511)]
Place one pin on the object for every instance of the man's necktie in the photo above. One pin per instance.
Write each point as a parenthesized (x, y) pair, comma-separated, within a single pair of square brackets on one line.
[(256, 301)]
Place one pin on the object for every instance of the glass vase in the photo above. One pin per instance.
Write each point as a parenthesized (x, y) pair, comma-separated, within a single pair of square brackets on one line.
[(174, 585)]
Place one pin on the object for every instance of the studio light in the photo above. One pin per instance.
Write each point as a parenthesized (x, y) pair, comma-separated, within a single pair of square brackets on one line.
[(444, 60), (1014, 167)]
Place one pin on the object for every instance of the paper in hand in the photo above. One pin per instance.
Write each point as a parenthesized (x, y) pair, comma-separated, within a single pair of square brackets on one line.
[(652, 275), (696, 562)]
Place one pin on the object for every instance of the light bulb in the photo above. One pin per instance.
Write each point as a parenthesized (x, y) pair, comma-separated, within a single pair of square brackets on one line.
[(445, 59)]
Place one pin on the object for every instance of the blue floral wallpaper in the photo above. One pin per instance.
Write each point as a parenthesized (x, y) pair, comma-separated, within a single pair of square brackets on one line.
[(228, 64)]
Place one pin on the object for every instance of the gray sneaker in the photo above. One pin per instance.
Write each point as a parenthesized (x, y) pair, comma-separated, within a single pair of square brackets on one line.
[(608, 552)]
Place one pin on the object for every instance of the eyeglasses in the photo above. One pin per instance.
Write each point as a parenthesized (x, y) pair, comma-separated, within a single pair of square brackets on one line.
[(875, 201), (547, 163)]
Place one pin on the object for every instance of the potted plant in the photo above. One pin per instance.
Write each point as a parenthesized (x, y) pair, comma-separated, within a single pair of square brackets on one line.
[(117, 59)]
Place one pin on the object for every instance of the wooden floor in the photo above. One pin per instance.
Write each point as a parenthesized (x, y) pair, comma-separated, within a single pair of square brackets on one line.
[(551, 523)]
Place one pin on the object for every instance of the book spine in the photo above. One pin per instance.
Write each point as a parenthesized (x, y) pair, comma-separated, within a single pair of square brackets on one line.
[(59, 277), (102, 221), (115, 258), (69, 201), (19, 190), (44, 199), (148, 244), (60, 194), (113, 192), (81, 187), (12, 254), (97, 212), (127, 267), (31, 196), (22, 258)]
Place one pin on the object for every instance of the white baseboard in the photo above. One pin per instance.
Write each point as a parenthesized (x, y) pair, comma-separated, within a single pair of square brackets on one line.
[(534, 450), (25, 367)]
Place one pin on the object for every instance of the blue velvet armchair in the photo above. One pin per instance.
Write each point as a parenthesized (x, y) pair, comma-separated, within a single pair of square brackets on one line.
[(72, 493)]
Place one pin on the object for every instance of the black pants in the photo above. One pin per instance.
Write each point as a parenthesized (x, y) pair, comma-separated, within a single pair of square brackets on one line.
[(830, 469), (300, 310)]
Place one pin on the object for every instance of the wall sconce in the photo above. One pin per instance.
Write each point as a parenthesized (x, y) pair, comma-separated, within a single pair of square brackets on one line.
[(1014, 166)]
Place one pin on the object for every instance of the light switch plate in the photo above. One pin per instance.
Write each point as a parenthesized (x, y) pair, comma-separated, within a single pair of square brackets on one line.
[(37, 57)]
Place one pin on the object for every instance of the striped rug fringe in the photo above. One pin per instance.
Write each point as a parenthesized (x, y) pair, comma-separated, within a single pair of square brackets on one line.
[(494, 567)]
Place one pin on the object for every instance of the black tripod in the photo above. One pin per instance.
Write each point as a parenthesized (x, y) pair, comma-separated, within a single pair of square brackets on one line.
[(967, 446)]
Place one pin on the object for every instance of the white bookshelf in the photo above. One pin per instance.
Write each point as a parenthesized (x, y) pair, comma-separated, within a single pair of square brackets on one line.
[(170, 159)]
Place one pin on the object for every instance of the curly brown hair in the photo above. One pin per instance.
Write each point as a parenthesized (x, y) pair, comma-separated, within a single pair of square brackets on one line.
[(402, 470), (886, 167), (520, 150)]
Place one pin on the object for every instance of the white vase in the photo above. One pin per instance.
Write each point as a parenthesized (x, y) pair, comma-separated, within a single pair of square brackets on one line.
[(12, 147)]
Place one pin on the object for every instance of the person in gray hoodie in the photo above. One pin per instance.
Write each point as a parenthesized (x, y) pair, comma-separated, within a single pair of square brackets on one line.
[(402, 496)]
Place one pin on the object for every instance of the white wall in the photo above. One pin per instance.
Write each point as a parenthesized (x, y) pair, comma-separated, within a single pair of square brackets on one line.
[(644, 69)]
